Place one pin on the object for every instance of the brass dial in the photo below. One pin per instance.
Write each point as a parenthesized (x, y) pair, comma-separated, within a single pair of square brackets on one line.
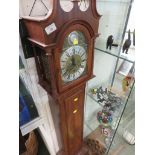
[(73, 63)]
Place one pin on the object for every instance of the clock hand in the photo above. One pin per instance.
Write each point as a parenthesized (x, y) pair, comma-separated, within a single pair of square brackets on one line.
[(73, 61)]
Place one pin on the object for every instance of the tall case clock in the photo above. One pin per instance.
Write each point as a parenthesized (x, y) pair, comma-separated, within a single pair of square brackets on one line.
[(63, 45)]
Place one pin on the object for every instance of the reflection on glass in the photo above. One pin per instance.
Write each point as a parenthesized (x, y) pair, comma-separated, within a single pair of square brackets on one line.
[(27, 108)]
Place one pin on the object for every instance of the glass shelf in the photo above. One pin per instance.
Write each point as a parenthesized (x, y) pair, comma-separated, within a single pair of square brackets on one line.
[(123, 56), (102, 47), (93, 128), (130, 56)]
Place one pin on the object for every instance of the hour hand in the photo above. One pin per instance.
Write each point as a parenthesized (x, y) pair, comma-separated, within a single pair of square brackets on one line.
[(73, 61)]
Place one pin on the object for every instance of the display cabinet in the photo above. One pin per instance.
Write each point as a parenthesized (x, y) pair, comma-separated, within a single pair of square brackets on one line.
[(110, 94), (105, 103)]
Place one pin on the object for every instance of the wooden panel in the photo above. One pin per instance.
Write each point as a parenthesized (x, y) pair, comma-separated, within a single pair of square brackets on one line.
[(74, 113)]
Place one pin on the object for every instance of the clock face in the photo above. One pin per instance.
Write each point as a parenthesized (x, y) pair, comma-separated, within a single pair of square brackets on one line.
[(73, 60)]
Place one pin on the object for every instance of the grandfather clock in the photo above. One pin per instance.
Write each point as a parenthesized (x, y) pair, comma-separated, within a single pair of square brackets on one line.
[(63, 45)]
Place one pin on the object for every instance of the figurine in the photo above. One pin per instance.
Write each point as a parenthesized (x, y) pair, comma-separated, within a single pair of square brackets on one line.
[(101, 95), (93, 91), (99, 113), (100, 90), (106, 90), (126, 83), (105, 119), (110, 119), (109, 42), (101, 100), (127, 44), (99, 116)]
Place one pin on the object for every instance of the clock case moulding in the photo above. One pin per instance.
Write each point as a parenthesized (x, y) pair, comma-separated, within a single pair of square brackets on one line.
[(51, 45)]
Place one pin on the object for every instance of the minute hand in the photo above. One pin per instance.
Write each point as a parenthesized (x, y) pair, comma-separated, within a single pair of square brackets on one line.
[(73, 61)]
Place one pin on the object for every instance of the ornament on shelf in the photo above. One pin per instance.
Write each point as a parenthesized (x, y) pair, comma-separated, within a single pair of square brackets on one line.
[(110, 101), (102, 94), (94, 90), (127, 44), (110, 43), (95, 146), (126, 83), (104, 118)]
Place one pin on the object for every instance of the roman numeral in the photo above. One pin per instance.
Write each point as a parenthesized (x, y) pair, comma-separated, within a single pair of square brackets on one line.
[(65, 74), (74, 51), (83, 60), (79, 51), (82, 55), (68, 77), (79, 71), (67, 55)]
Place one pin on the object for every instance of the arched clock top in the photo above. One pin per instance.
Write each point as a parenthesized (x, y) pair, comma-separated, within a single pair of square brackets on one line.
[(73, 26), (45, 30)]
